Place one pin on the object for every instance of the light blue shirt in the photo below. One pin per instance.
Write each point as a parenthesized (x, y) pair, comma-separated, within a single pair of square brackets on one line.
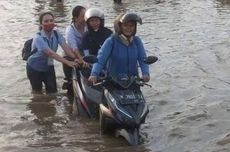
[(73, 36), (40, 61)]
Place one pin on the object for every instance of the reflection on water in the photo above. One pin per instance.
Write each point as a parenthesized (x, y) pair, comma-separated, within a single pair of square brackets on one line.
[(43, 109), (51, 116), (55, 129), (59, 8), (224, 2)]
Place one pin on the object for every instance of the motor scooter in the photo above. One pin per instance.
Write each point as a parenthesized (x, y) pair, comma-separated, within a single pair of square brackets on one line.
[(117, 102), (86, 98)]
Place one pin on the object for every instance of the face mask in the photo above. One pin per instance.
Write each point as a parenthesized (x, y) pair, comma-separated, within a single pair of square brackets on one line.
[(48, 27)]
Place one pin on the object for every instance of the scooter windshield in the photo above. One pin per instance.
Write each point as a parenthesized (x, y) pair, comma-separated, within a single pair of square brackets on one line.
[(123, 80)]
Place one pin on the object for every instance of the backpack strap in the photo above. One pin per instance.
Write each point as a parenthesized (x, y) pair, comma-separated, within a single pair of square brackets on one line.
[(56, 35)]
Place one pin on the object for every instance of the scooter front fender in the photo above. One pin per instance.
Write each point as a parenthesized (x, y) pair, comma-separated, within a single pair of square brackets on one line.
[(130, 134)]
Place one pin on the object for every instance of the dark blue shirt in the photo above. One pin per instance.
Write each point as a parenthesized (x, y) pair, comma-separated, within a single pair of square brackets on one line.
[(93, 40)]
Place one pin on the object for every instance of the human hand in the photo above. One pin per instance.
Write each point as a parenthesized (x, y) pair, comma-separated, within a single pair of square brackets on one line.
[(82, 63), (146, 78), (92, 79), (77, 61), (85, 64), (72, 64)]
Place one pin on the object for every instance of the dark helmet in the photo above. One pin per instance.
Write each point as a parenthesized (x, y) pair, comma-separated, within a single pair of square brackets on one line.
[(94, 12), (126, 17)]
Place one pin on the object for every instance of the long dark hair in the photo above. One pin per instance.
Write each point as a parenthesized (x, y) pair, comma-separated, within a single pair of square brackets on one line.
[(41, 18), (76, 12)]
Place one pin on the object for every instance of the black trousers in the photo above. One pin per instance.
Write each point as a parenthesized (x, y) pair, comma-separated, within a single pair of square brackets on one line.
[(37, 79), (67, 70)]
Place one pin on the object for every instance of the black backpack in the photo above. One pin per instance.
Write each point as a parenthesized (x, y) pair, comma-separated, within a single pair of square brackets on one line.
[(27, 52)]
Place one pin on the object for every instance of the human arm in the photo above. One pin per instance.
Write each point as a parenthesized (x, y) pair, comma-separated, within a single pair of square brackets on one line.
[(68, 51), (73, 39), (141, 56), (44, 51), (57, 57), (103, 55), (79, 56)]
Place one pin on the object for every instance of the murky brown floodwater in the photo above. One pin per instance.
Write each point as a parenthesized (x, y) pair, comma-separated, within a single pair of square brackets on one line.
[(189, 101)]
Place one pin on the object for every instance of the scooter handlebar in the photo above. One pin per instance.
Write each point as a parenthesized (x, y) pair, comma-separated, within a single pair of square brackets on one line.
[(138, 81), (141, 82)]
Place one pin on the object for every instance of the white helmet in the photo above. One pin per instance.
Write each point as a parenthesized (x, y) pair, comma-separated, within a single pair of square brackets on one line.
[(94, 12)]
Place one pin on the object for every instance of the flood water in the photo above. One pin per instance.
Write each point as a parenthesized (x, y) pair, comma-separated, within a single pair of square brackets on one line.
[(189, 100)]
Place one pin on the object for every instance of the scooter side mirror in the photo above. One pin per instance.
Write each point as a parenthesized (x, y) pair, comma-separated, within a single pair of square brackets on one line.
[(90, 58), (150, 59)]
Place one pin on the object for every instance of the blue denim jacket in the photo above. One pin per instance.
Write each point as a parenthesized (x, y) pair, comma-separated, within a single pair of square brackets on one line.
[(120, 58)]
